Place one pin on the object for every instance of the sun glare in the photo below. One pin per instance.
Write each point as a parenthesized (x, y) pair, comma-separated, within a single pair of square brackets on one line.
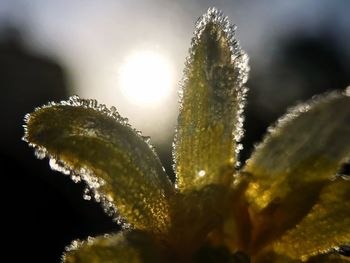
[(146, 77)]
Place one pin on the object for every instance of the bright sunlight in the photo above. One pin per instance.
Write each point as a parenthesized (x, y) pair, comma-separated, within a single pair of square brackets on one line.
[(146, 77)]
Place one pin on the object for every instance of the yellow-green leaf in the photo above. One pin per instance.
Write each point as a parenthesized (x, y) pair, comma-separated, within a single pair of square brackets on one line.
[(205, 209), (210, 121), (96, 145), (295, 161), (308, 145), (326, 226), (128, 247)]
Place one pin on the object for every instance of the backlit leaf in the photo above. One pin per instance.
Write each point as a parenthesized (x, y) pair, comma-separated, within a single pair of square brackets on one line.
[(205, 209), (326, 226), (96, 145), (296, 160), (212, 101), (308, 146)]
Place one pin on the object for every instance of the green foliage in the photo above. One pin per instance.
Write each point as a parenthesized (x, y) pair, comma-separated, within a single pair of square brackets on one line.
[(282, 206)]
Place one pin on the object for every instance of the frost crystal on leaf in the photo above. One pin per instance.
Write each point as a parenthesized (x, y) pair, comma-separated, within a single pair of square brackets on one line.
[(213, 84), (288, 203), (63, 162)]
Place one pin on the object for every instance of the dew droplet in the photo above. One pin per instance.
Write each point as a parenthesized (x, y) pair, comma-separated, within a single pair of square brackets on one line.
[(201, 173), (74, 245), (75, 178), (239, 147), (59, 166), (87, 197), (90, 240), (40, 152)]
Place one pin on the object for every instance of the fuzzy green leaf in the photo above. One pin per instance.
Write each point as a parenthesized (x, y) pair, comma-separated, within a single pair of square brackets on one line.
[(294, 163), (100, 148), (327, 225), (309, 144), (210, 121)]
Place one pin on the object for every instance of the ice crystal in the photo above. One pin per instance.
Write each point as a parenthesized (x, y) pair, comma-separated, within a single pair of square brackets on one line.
[(288, 203)]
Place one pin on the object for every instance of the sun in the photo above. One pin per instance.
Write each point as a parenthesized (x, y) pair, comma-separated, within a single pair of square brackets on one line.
[(146, 77)]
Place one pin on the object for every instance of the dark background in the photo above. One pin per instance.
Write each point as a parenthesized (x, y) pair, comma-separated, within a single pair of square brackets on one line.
[(43, 210)]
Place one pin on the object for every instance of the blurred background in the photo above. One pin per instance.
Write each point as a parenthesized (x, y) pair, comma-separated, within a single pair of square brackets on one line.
[(130, 54)]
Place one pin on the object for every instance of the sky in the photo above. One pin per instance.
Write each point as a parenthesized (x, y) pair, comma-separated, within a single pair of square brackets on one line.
[(94, 40)]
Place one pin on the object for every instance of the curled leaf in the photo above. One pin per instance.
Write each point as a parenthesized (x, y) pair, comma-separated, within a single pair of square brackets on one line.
[(210, 121), (96, 145), (307, 146), (293, 164)]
